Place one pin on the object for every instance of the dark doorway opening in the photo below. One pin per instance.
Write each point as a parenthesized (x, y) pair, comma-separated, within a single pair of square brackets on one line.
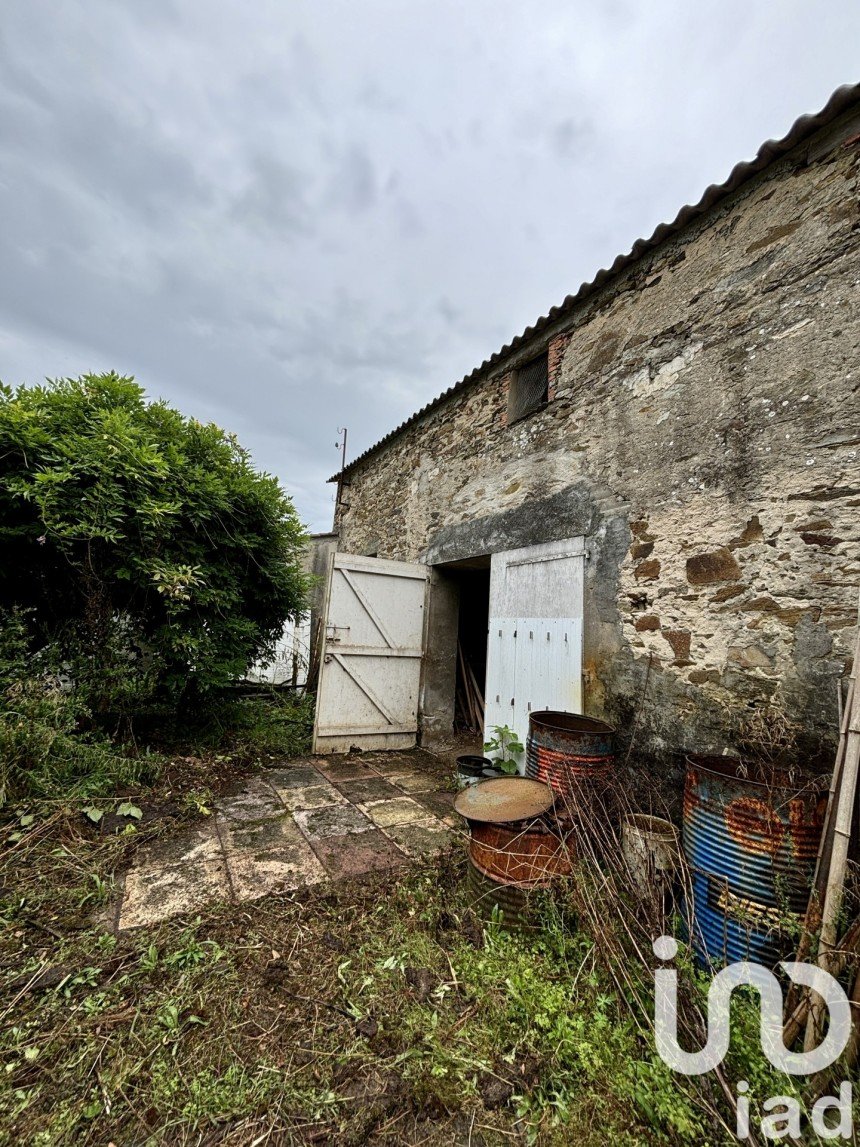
[(473, 583)]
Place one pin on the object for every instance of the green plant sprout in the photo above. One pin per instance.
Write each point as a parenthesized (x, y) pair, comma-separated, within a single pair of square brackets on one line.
[(507, 747)]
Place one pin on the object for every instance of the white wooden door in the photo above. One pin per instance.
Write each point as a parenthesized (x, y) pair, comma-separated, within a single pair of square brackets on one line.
[(370, 667), (534, 648)]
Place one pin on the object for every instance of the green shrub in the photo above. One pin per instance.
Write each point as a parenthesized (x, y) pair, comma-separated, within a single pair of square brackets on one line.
[(42, 751), (149, 553)]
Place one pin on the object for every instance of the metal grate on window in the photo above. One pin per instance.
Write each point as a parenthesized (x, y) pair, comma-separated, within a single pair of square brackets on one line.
[(529, 388)]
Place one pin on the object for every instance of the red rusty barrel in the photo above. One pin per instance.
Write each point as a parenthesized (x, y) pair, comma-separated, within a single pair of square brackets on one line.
[(566, 749), (517, 853), (510, 842)]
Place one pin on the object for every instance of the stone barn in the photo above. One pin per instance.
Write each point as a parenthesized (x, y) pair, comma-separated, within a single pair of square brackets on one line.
[(645, 506)]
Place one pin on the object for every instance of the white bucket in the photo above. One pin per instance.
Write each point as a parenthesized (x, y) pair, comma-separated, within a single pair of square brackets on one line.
[(650, 848)]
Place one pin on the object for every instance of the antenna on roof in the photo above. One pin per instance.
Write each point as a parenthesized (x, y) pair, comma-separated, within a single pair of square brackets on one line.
[(338, 498), (342, 447)]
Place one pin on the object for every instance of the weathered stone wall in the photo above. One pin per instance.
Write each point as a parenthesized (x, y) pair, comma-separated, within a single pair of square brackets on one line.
[(704, 433)]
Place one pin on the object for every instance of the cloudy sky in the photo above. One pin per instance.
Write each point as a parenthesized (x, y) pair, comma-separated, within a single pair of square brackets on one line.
[(293, 215)]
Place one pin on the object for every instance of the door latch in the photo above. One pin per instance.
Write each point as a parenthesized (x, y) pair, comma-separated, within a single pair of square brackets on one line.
[(332, 631)]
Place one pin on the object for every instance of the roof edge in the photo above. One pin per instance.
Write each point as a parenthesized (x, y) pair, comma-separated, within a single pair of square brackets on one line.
[(770, 151)]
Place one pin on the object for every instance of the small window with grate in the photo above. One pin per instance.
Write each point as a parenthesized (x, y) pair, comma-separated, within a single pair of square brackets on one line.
[(529, 389)]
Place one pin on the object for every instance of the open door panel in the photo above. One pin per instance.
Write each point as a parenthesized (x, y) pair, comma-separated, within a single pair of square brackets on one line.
[(370, 671), (534, 648)]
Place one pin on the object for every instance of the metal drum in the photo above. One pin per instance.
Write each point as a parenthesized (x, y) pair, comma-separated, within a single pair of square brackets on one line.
[(567, 750), (513, 840), (492, 899), (517, 853), (751, 848)]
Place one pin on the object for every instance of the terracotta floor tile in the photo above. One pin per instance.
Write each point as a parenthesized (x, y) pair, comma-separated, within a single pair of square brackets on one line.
[(358, 852), (298, 824), (398, 810), (315, 797), (333, 820), (155, 893), (255, 802), (255, 874), (340, 769), (295, 777), (414, 782), (365, 789), (260, 835), (421, 838)]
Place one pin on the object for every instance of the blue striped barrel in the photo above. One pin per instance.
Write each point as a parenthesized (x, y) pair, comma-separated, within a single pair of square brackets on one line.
[(751, 849)]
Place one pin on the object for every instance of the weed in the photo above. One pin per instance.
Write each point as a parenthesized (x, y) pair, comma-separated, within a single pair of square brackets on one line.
[(198, 801), (100, 892), (149, 960), (193, 953)]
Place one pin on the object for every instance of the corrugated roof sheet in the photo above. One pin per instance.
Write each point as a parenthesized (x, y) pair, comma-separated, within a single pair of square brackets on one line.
[(840, 102)]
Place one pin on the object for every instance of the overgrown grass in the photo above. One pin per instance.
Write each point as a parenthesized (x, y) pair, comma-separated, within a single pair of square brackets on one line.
[(53, 747), (257, 730), (44, 756), (370, 1011), (374, 1011)]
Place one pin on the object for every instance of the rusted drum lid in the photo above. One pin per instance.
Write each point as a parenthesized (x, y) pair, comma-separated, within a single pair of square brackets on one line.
[(504, 799), (558, 721)]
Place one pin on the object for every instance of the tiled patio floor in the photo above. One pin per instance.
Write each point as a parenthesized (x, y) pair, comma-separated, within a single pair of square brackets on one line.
[(313, 820)]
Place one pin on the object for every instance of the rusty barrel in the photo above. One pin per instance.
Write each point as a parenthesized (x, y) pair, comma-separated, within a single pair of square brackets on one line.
[(519, 853), (751, 845), (568, 750), (509, 904), (515, 846)]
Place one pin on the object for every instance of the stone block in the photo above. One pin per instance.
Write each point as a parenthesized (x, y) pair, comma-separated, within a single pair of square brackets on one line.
[(299, 777), (715, 566), (401, 810), (750, 535), (333, 820), (647, 571), (750, 656), (415, 782), (640, 550), (728, 592), (679, 639), (351, 855), (647, 622)]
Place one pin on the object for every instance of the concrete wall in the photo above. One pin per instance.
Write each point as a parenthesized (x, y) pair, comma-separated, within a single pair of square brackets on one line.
[(703, 433)]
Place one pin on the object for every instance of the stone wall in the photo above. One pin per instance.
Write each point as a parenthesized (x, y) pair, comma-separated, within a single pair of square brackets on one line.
[(703, 431)]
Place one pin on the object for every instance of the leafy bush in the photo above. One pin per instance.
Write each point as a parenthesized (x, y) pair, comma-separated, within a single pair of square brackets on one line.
[(41, 751), (149, 553)]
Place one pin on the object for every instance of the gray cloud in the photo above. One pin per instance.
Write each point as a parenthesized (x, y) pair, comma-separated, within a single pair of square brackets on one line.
[(292, 217)]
